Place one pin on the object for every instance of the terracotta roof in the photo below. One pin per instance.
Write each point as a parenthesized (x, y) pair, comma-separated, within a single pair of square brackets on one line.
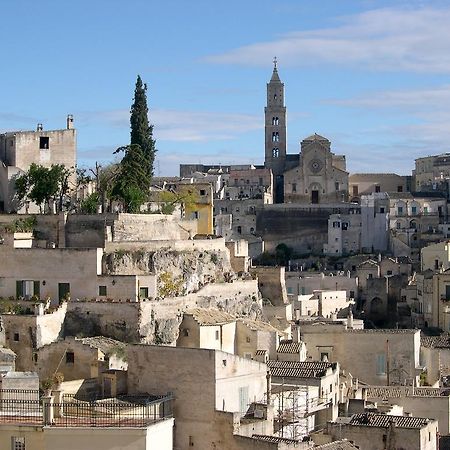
[(289, 346), (261, 352), (383, 421), (210, 316), (337, 445), (404, 391), (259, 325), (383, 330), (299, 369), (274, 439), (442, 341)]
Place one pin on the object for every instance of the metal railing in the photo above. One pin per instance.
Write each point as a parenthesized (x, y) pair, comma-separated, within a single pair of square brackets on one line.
[(26, 406)]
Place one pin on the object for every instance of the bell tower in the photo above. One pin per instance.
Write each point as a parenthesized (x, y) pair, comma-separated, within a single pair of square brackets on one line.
[(275, 131)]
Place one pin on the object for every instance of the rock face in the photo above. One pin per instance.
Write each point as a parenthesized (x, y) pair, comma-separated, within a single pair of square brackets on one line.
[(179, 272), (157, 321)]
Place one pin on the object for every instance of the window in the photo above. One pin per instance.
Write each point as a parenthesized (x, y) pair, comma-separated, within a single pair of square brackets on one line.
[(70, 357), (425, 209), (195, 215), (202, 192), (381, 364), (44, 143), (436, 264), (252, 230), (143, 292), (275, 136), (382, 210), (243, 399), (16, 337), (400, 210), (248, 339), (399, 188), (352, 294), (17, 443), (239, 229), (370, 276), (102, 291), (389, 272), (377, 188), (186, 332), (275, 153), (447, 291), (355, 191), (275, 121), (336, 185), (294, 187), (344, 226), (323, 356), (290, 290), (217, 335), (414, 210)]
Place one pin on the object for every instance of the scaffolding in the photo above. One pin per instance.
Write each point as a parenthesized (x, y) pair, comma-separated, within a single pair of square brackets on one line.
[(295, 407)]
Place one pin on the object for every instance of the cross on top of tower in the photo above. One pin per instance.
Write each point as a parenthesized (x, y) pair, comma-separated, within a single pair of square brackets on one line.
[(274, 62)]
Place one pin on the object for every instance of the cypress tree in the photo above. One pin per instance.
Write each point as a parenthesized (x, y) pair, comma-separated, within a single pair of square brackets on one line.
[(141, 130)]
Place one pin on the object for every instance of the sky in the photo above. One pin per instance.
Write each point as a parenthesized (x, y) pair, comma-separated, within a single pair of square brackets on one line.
[(373, 76)]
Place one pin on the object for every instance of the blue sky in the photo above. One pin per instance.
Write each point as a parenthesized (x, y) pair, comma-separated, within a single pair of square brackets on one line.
[(372, 76)]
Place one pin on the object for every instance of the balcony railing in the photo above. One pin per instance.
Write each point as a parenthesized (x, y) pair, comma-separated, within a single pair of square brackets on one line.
[(25, 407)]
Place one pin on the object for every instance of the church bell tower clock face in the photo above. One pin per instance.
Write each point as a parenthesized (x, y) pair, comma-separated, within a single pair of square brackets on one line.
[(316, 165)]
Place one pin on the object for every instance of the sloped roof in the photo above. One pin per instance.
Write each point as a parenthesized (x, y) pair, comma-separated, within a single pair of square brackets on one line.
[(297, 369), (104, 344), (316, 137), (404, 391), (384, 421), (288, 346), (275, 77), (259, 325), (442, 341), (274, 439), (337, 445), (210, 316)]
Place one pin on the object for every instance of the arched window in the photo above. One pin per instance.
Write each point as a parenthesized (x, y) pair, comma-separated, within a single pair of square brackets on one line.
[(275, 136), (275, 121), (275, 152)]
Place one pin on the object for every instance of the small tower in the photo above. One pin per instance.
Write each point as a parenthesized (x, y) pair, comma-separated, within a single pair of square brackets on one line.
[(70, 122), (275, 131)]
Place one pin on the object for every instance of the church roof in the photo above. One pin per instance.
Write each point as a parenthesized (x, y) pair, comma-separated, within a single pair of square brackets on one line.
[(275, 76), (316, 137)]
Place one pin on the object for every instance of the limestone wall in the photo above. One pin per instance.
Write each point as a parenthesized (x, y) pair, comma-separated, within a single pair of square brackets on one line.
[(157, 321), (152, 227)]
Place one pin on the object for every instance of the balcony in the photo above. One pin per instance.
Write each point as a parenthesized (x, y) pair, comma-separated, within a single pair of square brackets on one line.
[(136, 411)]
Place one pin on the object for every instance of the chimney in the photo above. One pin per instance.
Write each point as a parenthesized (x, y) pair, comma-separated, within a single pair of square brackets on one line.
[(39, 127), (295, 331), (350, 319), (70, 121)]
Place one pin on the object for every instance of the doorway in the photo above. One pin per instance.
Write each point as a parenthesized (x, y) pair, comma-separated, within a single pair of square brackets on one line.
[(314, 197)]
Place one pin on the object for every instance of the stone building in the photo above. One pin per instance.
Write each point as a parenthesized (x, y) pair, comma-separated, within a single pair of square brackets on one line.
[(220, 397), (371, 431), (370, 183), (375, 356), (19, 149)]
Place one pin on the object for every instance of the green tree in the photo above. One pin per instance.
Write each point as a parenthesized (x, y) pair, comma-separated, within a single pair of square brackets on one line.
[(184, 197), (44, 184), (132, 183), (141, 130)]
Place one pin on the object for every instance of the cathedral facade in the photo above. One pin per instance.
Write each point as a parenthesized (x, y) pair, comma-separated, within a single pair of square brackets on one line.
[(316, 174)]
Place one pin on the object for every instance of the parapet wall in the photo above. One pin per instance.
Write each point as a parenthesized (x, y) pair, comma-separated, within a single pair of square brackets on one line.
[(152, 227), (175, 245)]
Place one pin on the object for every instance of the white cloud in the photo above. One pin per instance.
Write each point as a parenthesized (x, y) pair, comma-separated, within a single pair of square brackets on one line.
[(395, 39), (413, 100), (187, 126)]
